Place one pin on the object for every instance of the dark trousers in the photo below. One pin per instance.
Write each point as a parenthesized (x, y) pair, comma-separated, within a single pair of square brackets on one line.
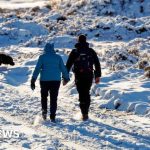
[(83, 84), (51, 87)]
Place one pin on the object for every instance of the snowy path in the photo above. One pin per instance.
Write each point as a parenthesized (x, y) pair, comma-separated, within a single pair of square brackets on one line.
[(30, 131), (108, 130), (105, 129)]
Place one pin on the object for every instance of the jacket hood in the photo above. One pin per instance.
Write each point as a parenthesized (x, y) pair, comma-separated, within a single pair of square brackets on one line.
[(82, 45), (49, 48)]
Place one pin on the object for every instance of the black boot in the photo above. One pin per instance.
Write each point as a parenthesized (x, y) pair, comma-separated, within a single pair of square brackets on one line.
[(44, 115), (85, 117), (52, 118)]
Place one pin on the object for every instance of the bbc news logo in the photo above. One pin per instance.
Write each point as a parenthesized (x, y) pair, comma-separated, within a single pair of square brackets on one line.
[(8, 133)]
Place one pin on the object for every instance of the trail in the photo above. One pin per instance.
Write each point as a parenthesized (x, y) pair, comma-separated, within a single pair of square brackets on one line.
[(29, 131), (105, 129)]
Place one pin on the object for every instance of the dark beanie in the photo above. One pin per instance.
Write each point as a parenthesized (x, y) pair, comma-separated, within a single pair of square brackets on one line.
[(82, 38)]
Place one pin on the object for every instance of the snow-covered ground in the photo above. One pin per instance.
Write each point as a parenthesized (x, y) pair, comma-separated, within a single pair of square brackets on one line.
[(15, 4), (120, 109)]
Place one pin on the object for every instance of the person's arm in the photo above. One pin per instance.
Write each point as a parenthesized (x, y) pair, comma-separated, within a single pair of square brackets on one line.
[(97, 65), (36, 73), (64, 71), (71, 60), (37, 69)]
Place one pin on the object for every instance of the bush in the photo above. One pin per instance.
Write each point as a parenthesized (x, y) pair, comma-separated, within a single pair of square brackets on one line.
[(143, 64), (48, 6), (147, 68), (133, 51), (1, 10), (141, 30), (61, 18), (35, 9), (147, 74)]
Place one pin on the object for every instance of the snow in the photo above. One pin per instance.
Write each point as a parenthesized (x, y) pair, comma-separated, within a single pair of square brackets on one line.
[(15, 4), (120, 107)]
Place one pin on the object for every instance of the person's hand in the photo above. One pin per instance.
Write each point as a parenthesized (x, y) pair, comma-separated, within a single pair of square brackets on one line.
[(64, 82), (33, 84), (97, 80)]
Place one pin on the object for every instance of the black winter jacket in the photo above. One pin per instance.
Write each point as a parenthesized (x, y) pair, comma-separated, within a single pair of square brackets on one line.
[(84, 48)]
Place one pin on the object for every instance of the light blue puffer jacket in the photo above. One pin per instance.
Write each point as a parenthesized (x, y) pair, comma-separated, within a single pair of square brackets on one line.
[(50, 66)]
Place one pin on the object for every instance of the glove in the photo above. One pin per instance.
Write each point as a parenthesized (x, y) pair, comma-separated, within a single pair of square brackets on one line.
[(33, 84), (97, 80), (65, 82)]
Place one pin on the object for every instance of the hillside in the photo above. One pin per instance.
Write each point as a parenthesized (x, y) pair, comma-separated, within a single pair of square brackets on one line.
[(120, 110)]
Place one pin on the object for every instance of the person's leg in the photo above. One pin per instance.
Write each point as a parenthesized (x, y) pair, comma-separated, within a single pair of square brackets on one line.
[(83, 87), (44, 95), (79, 86), (54, 89), (84, 96), (87, 95)]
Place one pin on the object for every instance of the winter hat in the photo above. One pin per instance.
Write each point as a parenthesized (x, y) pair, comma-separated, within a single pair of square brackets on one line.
[(49, 47), (82, 38)]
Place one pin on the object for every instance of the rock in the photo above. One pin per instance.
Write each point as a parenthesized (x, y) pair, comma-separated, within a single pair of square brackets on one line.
[(97, 35)]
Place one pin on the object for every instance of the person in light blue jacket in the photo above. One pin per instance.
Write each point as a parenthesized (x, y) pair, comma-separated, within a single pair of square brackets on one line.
[(50, 66)]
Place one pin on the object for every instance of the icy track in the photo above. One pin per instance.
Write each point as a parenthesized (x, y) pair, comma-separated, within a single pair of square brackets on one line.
[(120, 108)]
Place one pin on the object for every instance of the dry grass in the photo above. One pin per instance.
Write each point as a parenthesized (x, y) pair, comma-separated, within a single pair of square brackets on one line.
[(57, 3), (147, 68), (142, 64), (147, 74)]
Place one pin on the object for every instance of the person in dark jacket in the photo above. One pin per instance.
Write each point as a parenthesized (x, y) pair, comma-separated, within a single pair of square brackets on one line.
[(83, 59), (50, 66)]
